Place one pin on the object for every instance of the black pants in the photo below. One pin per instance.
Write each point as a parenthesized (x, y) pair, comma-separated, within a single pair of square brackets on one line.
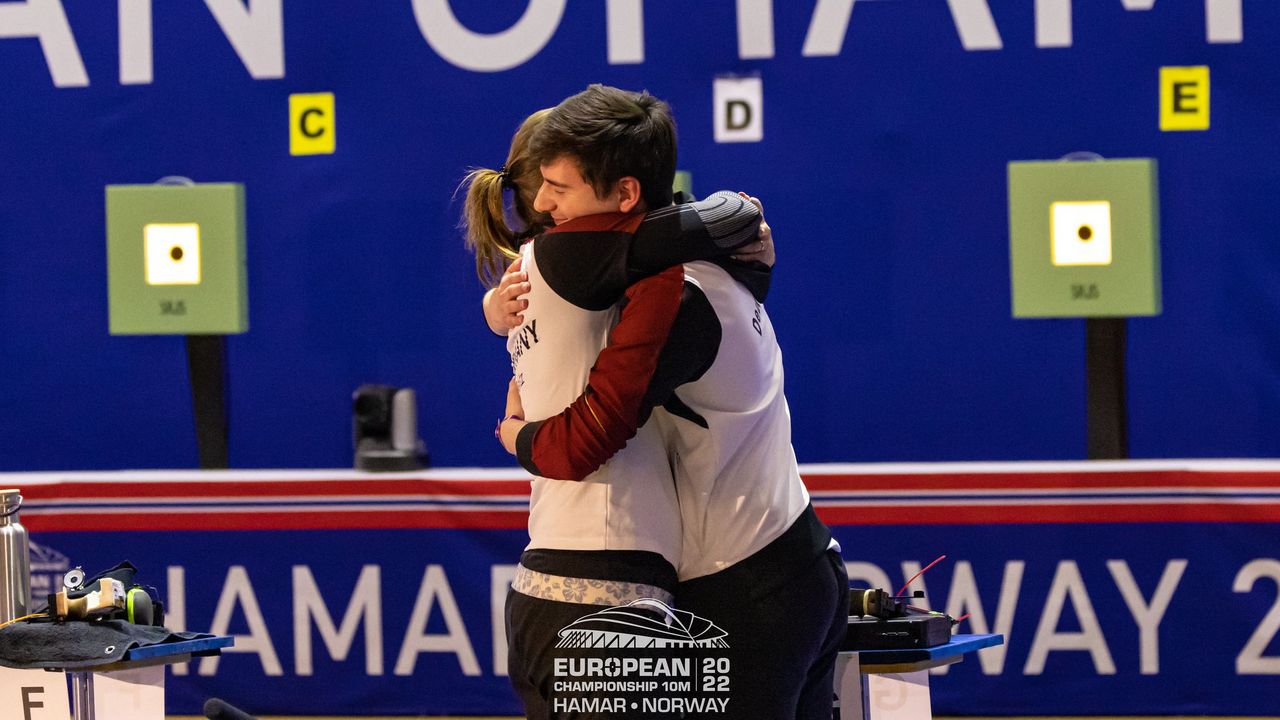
[(785, 610), (533, 623)]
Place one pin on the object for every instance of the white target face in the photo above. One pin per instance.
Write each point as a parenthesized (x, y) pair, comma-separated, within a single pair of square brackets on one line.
[(172, 253), (1081, 233)]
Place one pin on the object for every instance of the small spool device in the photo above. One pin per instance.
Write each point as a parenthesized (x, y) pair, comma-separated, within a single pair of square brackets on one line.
[(74, 579)]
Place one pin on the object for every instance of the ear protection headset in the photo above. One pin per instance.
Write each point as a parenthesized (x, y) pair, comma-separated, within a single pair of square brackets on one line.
[(139, 609)]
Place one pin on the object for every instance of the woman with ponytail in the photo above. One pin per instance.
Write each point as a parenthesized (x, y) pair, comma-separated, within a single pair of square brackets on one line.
[(490, 238), (616, 533)]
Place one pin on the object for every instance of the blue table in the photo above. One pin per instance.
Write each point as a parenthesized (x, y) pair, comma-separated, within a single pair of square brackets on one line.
[(82, 707), (908, 668)]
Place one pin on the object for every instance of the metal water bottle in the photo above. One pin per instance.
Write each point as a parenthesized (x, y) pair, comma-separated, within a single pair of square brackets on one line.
[(15, 559)]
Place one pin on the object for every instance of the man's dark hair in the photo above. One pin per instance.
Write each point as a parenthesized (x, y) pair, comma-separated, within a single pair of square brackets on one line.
[(613, 134)]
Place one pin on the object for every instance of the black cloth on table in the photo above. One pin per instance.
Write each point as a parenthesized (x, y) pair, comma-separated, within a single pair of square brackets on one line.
[(79, 644)]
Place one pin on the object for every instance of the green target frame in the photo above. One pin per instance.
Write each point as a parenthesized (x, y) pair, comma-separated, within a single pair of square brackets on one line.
[(176, 259), (1084, 238)]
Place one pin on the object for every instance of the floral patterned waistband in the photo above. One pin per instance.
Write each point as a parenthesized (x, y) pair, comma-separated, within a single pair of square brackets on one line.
[(584, 591)]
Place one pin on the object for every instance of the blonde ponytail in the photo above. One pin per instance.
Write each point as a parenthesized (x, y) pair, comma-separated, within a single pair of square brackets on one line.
[(493, 243), (484, 216)]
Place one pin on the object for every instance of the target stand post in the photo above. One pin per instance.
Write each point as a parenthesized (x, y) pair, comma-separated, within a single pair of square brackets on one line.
[(176, 266), (1084, 242)]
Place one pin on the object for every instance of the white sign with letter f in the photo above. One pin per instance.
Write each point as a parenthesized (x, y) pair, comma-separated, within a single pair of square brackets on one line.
[(33, 695)]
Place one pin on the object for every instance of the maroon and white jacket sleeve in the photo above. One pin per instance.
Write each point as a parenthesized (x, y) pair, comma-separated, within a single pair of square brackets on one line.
[(621, 389)]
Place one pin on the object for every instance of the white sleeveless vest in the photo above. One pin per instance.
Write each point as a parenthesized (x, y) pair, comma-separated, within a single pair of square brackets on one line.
[(630, 502), (738, 483)]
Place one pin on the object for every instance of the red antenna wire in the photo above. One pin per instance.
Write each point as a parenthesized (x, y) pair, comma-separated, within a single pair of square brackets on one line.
[(903, 589)]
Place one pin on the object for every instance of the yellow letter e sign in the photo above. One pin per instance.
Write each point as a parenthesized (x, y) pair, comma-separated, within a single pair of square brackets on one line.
[(1184, 98)]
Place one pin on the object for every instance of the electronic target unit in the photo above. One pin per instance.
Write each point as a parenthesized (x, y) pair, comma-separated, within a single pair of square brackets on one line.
[(1084, 238), (176, 259)]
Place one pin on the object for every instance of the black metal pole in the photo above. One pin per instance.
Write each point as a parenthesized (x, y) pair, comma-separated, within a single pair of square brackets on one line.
[(207, 365), (1106, 415)]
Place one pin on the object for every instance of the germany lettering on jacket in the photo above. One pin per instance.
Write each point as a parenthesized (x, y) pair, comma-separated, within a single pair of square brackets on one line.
[(526, 337)]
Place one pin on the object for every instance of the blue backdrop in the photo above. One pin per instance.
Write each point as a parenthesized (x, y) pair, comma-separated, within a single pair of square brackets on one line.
[(882, 170)]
